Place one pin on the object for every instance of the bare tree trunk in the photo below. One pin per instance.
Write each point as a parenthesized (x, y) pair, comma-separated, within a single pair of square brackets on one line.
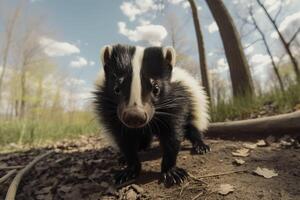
[(201, 48), (11, 22), (23, 93), (285, 44), (259, 128), (241, 80), (267, 48)]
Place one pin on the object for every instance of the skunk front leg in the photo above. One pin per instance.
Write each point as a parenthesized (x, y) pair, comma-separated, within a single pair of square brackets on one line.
[(171, 173), (129, 149)]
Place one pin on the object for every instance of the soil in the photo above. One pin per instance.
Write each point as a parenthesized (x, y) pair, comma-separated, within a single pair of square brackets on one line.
[(83, 169)]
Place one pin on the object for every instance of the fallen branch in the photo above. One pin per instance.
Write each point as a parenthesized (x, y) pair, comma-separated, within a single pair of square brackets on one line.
[(6, 176), (12, 190), (198, 195), (11, 167), (218, 174), (250, 129)]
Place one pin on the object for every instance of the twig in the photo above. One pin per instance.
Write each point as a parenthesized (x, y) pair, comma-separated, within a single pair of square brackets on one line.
[(5, 177), (197, 196), (221, 174), (12, 190), (183, 187), (197, 179), (11, 167)]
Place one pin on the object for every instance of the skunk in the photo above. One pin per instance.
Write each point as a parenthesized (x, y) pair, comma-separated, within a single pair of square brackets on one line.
[(140, 94)]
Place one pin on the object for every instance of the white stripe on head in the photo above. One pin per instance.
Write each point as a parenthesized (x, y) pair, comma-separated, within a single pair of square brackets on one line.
[(136, 83)]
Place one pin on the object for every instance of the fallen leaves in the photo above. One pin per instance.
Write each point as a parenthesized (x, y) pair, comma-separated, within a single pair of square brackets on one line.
[(243, 152), (238, 161), (131, 192), (225, 189), (261, 143), (250, 145), (267, 173)]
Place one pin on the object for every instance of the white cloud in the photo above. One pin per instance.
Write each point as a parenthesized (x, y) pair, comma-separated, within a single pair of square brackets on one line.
[(75, 82), (222, 62), (144, 22), (289, 20), (249, 49), (286, 23), (260, 59), (212, 27), (137, 7), (92, 63), (274, 35), (221, 67), (79, 62), (185, 4), (55, 48), (175, 2), (153, 34), (210, 53)]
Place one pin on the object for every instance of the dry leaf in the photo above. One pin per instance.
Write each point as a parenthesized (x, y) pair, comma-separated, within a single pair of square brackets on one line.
[(249, 145), (267, 173), (225, 189), (243, 152), (261, 143), (239, 161)]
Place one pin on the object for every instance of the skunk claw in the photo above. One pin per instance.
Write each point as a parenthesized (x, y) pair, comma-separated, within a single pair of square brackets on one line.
[(174, 176), (200, 148)]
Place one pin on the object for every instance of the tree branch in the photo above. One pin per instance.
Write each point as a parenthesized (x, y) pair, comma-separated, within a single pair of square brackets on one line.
[(12, 190), (278, 12), (6, 176), (294, 36)]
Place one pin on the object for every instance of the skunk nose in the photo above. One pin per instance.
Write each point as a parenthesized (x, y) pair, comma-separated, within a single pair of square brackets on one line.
[(134, 118)]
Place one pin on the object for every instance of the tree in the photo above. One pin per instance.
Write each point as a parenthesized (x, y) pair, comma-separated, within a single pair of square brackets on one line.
[(241, 80), (201, 48), (9, 29), (263, 37), (286, 44), (177, 36)]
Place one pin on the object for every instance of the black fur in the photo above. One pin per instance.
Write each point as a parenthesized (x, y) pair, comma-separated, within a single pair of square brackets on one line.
[(170, 122)]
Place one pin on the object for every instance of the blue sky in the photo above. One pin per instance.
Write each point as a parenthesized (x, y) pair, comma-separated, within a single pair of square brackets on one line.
[(80, 28)]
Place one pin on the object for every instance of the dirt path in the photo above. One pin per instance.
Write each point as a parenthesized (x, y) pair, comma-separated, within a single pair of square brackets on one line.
[(82, 170)]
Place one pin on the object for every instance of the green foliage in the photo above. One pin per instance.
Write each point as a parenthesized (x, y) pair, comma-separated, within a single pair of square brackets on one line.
[(45, 130), (248, 107)]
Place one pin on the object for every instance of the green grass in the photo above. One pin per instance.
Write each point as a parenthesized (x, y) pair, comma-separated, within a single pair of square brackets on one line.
[(242, 108), (41, 131), (48, 128)]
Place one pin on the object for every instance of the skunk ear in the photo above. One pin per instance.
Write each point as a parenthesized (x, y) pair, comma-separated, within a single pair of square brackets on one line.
[(105, 54), (170, 55)]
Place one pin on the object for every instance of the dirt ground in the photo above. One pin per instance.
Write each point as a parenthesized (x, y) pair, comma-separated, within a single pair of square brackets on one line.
[(83, 169)]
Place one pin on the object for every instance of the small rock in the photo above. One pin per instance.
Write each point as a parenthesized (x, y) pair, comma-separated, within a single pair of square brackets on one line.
[(137, 188), (225, 189), (267, 173), (249, 145), (131, 195), (104, 184), (261, 143), (238, 161), (243, 152)]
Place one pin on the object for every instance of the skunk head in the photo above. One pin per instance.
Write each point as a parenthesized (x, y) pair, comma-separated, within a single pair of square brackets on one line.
[(135, 79)]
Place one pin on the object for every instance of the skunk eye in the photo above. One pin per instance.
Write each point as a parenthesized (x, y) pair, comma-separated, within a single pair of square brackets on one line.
[(117, 90), (155, 89)]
